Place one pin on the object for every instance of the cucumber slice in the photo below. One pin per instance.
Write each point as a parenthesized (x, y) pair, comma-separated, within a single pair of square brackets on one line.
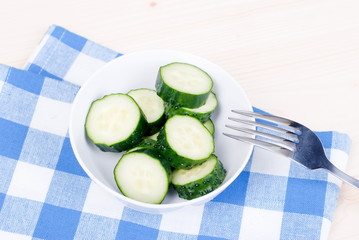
[(185, 142), (154, 136), (200, 180), (210, 126), (143, 175), (202, 113), (152, 106), (146, 143), (115, 123), (182, 84)]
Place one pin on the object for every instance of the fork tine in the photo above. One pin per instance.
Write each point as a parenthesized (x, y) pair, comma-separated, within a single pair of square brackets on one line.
[(288, 133), (263, 144), (283, 142), (264, 116), (271, 118)]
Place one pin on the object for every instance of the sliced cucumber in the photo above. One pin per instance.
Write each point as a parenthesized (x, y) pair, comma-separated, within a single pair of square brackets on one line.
[(182, 84), (146, 143), (143, 175), (199, 180), (152, 106), (154, 136), (115, 123), (202, 113), (210, 126), (185, 142)]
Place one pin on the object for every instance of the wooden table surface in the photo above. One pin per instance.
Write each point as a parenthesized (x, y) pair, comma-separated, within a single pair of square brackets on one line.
[(295, 58)]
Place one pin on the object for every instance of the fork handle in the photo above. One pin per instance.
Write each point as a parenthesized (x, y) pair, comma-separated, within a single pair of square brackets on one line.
[(341, 175)]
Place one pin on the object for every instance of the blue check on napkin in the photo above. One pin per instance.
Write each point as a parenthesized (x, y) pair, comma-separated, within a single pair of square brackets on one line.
[(44, 193)]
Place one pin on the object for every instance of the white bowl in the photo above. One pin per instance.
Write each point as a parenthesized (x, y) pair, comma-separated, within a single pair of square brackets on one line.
[(139, 70)]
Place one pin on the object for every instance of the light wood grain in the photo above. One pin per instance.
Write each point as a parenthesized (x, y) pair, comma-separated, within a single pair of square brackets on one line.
[(298, 59)]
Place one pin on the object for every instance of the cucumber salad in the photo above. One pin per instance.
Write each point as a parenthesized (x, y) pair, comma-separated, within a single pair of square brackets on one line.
[(167, 135)]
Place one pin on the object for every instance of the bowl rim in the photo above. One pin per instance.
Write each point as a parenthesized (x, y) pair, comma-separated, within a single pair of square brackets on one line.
[(142, 206)]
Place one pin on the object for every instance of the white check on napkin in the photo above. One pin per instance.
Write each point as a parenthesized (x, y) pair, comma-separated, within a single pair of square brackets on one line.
[(44, 193)]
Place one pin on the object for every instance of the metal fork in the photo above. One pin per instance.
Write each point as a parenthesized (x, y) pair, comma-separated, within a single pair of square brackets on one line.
[(288, 138)]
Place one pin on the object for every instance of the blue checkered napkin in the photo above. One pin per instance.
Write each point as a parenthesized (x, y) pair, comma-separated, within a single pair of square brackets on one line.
[(44, 193)]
